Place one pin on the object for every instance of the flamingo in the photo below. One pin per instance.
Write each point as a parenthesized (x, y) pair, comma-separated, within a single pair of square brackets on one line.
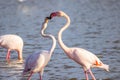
[(83, 57), (12, 42), (36, 62)]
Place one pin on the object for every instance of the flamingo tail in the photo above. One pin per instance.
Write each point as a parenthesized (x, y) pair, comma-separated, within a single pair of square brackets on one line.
[(103, 66)]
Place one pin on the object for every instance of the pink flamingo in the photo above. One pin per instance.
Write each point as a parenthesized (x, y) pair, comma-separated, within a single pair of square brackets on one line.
[(83, 57), (36, 62), (12, 42)]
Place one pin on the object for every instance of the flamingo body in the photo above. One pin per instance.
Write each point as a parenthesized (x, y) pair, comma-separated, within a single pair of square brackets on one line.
[(83, 57), (12, 42), (86, 59), (36, 62)]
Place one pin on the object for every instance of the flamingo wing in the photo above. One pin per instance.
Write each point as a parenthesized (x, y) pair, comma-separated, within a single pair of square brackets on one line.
[(83, 57), (34, 62)]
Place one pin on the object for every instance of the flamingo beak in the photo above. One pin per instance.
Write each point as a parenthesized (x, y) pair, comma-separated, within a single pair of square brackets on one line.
[(49, 17), (52, 15)]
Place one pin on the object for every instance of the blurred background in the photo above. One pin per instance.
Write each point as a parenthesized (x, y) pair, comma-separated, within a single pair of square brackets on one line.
[(95, 26)]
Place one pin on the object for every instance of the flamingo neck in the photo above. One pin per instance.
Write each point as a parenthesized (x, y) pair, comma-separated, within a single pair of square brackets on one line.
[(53, 41), (62, 45), (0, 40), (53, 44)]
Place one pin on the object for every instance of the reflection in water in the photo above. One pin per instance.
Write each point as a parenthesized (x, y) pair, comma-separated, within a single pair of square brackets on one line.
[(94, 26), (9, 71), (73, 79), (21, 0)]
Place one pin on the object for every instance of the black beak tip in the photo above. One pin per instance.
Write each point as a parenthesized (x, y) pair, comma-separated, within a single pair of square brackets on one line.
[(48, 17)]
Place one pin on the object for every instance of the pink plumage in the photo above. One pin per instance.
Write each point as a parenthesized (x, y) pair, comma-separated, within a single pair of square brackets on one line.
[(83, 57), (12, 42), (36, 62)]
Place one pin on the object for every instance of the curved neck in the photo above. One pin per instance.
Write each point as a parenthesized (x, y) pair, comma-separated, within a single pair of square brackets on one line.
[(53, 40), (62, 45)]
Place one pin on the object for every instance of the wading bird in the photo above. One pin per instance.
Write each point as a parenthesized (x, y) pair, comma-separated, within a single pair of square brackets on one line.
[(83, 57), (12, 42), (36, 62)]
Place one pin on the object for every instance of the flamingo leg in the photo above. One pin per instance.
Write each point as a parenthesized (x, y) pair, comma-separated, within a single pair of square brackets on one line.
[(93, 77), (40, 77), (30, 76), (41, 73), (8, 55), (19, 55), (86, 75)]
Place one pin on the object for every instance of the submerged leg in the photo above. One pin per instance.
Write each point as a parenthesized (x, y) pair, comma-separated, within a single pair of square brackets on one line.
[(93, 77), (20, 58), (86, 75), (30, 76), (8, 55), (40, 77), (41, 73)]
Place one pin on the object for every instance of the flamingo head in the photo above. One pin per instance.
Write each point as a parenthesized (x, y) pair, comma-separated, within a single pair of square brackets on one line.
[(58, 13)]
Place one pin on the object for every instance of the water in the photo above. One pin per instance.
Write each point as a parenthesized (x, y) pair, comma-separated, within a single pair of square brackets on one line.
[(95, 26)]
